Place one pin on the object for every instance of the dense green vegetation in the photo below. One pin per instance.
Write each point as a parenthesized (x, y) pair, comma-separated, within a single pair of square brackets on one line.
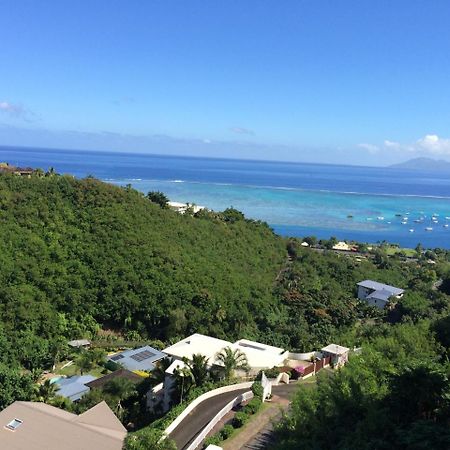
[(394, 395), (84, 259), (79, 254)]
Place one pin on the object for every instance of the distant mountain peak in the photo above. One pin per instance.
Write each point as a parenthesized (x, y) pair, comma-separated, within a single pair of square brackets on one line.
[(422, 163)]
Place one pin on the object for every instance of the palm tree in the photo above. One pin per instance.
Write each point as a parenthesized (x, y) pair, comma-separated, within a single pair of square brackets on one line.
[(120, 389), (183, 380), (46, 391), (198, 367), (158, 374), (232, 360), (84, 362)]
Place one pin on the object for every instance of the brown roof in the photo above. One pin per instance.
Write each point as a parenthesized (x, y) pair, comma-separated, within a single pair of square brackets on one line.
[(45, 427), (120, 373)]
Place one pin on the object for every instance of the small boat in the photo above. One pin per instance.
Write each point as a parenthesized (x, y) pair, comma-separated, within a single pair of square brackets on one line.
[(388, 222), (407, 213), (369, 218), (405, 218), (418, 220), (380, 218), (349, 216), (446, 225), (404, 222), (411, 230), (428, 229), (398, 215)]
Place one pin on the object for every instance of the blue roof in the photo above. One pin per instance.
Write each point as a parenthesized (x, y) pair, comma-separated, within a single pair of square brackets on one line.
[(370, 284), (382, 294), (142, 358), (74, 387)]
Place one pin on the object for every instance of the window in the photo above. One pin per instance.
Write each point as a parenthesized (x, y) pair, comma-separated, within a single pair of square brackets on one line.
[(14, 424)]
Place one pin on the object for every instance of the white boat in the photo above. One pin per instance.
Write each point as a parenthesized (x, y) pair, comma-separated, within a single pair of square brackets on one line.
[(446, 225), (428, 229), (380, 218), (404, 222), (411, 230)]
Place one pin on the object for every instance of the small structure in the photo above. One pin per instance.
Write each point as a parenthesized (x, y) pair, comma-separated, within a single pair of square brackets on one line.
[(378, 294), (183, 207), (74, 387), (79, 343), (342, 246), (304, 244), (337, 353), (38, 426), (98, 383), (142, 358)]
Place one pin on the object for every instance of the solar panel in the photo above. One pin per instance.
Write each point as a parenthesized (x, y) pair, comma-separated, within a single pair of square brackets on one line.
[(116, 358), (141, 356)]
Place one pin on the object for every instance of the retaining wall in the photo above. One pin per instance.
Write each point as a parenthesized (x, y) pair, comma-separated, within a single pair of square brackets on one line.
[(198, 400)]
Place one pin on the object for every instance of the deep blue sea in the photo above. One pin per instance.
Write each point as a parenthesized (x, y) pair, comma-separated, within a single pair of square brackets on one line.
[(295, 199)]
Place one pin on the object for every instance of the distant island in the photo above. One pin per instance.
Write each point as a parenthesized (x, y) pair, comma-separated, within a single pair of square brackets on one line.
[(438, 165)]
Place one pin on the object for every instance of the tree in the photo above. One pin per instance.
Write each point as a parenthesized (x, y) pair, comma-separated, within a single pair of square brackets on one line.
[(46, 391), (159, 198), (84, 361), (14, 386), (148, 438), (232, 360), (120, 389), (198, 366)]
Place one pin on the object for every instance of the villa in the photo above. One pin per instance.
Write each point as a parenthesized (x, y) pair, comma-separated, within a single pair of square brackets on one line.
[(74, 387), (259, 356), (378, 294)]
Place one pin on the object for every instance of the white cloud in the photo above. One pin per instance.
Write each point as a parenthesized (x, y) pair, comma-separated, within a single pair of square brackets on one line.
[(370, 148), (392, 144), (432, 143)]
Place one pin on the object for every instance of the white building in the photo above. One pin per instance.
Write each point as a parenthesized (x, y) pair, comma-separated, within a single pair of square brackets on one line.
[(377, 294), (259, 356)]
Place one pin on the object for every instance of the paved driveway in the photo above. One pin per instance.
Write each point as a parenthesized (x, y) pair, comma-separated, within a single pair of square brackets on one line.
[(188, 429)]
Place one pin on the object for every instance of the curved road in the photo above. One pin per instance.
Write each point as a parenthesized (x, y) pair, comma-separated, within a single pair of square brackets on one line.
[(188, 429)]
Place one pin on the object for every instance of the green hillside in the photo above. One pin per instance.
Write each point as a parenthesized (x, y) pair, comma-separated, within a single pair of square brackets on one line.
[(77, 253)]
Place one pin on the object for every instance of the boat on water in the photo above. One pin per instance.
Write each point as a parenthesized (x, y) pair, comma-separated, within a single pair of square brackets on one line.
[(411, 230), (429, 229), (404, 222), (380, 218), (446, 225)]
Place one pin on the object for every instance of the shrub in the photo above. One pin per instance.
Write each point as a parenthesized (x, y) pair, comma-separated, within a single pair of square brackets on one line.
[(240, 419), (253, 406), (226, 431), (257, 389), (215, 439)]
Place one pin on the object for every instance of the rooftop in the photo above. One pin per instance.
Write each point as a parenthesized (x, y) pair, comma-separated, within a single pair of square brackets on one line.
[(79, 343), (381, 294), (258, 355), (142, 358), (335, 349), (121, 373), (370, 284), (74, 387), (44, 427)]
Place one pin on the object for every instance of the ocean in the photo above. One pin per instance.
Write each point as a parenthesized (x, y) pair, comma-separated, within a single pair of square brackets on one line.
[(368, 204)]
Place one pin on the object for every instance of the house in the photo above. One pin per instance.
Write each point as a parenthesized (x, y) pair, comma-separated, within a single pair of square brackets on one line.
[(74, 387), (337, 353), (342, 246), (259, 356), (98, 383), (377, 294), (79, 343), (38, 426), (142, 358), (183, 207)]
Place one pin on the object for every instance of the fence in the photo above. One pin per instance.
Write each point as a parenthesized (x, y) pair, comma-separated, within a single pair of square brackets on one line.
[(226, 409)]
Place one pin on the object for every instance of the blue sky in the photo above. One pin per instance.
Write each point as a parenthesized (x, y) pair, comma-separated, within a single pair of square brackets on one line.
[(352, 81)]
